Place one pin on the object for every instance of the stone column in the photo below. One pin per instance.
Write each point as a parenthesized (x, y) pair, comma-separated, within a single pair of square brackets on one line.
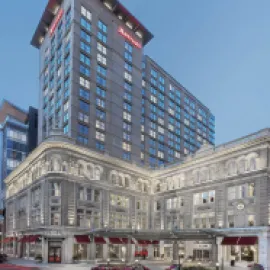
[(161, 249), (67, 250), (130, 256), (150, 252), (106, 252), (27, 250), (91, 250), (44, 243), (14, 247), (214, 254), (175, 251)]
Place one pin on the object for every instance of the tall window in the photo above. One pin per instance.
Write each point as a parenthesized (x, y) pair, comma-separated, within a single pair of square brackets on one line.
[(55, 189)]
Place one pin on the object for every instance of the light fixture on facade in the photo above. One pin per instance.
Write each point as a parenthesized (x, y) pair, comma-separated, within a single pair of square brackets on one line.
[(108, 5), (129, 24), (139, 34), (41, 39)]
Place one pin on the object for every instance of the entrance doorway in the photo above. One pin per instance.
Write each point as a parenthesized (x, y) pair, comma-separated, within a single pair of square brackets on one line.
[(54, 252)]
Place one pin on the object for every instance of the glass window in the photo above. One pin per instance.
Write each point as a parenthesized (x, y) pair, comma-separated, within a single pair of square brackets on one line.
[(83, 129), (84, 94), (102, 26), (84, 106), (55, 189)]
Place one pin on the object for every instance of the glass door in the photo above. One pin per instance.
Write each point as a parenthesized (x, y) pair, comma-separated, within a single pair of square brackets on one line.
[(54, 255)]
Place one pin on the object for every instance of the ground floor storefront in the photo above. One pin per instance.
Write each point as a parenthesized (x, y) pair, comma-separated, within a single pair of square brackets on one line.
[(248, 246)]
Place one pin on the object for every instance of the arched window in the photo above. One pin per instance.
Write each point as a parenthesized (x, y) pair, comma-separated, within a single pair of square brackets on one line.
[(253, 165)]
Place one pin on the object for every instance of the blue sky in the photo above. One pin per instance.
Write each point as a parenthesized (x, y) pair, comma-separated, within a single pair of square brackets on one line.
[(218, 49)]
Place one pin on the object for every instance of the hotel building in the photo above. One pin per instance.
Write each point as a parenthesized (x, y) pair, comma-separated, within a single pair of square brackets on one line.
[(98, 86)]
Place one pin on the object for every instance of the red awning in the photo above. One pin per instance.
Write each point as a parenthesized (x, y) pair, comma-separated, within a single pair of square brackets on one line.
[(24, 239), (99, 240), (144, 242), (141, 242), (33, 238), (247, 241), (241, 241), (8, 240), (82, 239), (115, 241), (125, 241), (155, 242)]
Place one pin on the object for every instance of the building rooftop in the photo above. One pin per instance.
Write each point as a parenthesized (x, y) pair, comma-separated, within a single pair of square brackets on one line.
[(117, 8), (9, 109)]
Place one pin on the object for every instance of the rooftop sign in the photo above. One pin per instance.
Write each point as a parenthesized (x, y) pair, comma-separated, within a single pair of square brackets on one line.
[(56, 21), (127, 36)]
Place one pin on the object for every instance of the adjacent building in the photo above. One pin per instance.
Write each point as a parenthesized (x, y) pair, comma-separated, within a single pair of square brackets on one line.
[(68, 201), (18, 137), (98, 86)]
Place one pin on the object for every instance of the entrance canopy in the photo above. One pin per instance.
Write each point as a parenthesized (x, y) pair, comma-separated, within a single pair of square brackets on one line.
[(156, 235)]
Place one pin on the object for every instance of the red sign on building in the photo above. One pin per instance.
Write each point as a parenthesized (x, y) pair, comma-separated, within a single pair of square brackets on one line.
[(56, 21), (126, 35)]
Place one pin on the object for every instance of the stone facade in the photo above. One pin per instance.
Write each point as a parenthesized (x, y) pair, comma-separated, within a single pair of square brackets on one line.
[(62, 190)]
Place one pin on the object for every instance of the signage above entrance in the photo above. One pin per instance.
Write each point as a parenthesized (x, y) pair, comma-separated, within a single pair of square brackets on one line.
[(56, 21), (127, 36)]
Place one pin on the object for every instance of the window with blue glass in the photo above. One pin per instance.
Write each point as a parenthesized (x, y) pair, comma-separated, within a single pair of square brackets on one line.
[(101, 81), (128, 47), (84, 70), (153, 90), (177, 131), (85, 24), (153, 107), (153, 116), (85, 36), (161, 80), (161, 137), (152, 151), (161, 87), (67, 47), (128, 67), (127, 107), (85, 47), (128, 86), (126, 126), (152, 142), (66, 117), (84, 106), (153, 73), (127, 96), (100, 146), (66, 94), (66, 129), (143, 92), (153, 81), (126, 156), (101, 92), (161, 104), (171, 120), (102, 26), (100, 114), (67, 70), (102, 37), (161, 96), (177, 147), (84, 94), (161, 147), (82, 140), (128, 56), (171, 95), (102, 70), (83, 129), (85, 59)]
